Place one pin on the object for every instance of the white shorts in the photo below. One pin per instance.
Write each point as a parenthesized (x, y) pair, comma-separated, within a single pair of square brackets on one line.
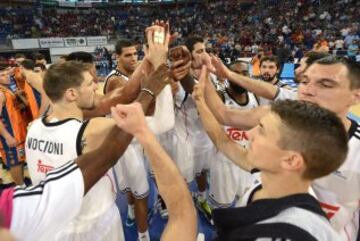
[(40, 211), (131, 172), (227, 182)]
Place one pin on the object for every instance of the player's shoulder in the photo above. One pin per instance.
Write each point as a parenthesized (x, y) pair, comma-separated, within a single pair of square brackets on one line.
[(354, 131)]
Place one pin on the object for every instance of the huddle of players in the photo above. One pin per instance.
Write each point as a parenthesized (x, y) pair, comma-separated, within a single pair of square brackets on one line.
[(184, 136), (193, 151)]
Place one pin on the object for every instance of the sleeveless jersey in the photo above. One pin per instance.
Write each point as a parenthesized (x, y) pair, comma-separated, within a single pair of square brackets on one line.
[(339, 192), (239, 136), (50, 145), (114, 72)]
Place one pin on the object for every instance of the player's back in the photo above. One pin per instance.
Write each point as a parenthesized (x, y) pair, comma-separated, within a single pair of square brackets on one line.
[(50, 145)]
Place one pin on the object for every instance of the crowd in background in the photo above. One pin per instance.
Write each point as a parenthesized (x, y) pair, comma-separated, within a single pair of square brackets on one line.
[(231, 29)]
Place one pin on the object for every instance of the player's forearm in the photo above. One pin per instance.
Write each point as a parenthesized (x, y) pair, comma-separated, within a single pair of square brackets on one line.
[(223, 143), (171, 184), (95, 164), (215, 104), (164, 116), (259, 88)]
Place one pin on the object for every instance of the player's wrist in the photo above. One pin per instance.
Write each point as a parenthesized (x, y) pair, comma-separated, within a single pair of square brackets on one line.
[(142, 134)]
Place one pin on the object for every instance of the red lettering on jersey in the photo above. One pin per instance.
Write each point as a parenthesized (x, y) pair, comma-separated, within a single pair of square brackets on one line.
[(236, 134), (330, 210), (43, 168)]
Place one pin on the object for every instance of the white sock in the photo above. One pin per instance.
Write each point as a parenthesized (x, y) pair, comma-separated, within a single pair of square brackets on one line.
[(202, 196), (144, 236), (131, 211)]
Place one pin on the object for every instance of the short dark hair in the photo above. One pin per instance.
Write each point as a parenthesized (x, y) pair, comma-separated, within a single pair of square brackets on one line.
[(352, 67), (19, 55), (122, 43), (81, 56), (63, 76), (39, 56), (27, 64), (42, 66), (191, 41), (312, 56), (273, 59), (236, 62), (317, 133)]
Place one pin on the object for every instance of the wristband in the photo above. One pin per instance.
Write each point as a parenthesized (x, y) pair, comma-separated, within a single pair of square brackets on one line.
[(149, 92)]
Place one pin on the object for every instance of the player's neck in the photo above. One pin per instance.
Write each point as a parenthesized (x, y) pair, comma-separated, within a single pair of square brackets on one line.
[(274, 81), (62, 111), (345, 121), (278, 186), (239, 98), (123, 70)]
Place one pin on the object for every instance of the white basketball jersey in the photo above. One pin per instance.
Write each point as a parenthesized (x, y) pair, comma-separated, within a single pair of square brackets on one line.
[(114, 72), (239, 136), (50, 145), (339, 192)]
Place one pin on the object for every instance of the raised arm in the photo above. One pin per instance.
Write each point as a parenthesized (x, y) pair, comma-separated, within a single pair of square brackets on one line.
[(235, 152), (172, 187), (239, 118), (164, 115), (259, 88)]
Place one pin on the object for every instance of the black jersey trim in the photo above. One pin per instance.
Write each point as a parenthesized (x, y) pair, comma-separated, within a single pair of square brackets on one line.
[(79, 138), (49, 178), (354, 130), (279, 230), (56, 123)]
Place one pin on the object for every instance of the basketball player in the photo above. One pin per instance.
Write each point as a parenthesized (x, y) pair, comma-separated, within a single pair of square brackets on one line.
[(172, 187), (126, 60), (332, 83), (37, 100), (226, 179), (12, 128), (131, 170), (40, 211), (263, 88), (59, 86), (283, 161)]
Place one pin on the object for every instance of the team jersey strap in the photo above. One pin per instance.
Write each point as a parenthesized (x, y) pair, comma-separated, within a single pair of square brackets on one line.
[(228, 219), (115, 72), (275, 231)]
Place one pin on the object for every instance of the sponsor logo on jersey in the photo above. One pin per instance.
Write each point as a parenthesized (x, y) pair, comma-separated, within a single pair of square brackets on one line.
[(236, 134), (43, 168), (330, 210)]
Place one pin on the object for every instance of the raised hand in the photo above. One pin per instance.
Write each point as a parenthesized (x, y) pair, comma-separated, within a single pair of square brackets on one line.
[(220, 69), (157, 80), (199, 89), (180, 62), (158, 38), (130, 118)]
